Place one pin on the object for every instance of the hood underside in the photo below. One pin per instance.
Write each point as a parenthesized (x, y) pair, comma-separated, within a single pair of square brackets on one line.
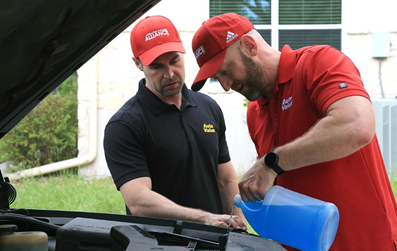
[(43, 42)]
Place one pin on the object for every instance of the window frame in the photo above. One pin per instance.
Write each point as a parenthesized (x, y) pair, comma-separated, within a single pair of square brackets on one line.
[(275, 27)]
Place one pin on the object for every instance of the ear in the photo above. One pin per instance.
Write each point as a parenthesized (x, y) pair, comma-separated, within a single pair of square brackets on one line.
[(248, 45), (137, 63)]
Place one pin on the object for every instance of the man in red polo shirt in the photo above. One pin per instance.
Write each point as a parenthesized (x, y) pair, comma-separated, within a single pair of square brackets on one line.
[(312, 123)]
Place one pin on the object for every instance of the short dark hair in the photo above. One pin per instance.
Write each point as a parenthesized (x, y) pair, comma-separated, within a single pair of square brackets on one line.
[(140, 62)]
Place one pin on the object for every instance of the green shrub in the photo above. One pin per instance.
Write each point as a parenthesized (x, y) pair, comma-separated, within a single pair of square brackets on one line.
[(69, 86), (46, 135)]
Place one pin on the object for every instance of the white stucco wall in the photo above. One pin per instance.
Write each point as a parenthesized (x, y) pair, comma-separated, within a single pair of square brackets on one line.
[(117, 77), (360, 20)]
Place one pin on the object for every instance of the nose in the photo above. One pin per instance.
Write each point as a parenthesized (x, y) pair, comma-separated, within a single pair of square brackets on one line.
[(225, 83), (168, 72)]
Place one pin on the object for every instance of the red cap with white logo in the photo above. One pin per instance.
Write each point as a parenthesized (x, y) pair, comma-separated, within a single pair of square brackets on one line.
[(154, 36), (211, 41)]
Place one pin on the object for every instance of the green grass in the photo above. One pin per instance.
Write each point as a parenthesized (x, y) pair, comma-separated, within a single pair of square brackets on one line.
[(69, 192), (394, 187)]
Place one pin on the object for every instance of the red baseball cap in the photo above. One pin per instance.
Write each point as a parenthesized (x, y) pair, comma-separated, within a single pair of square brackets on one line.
[(154, 36), (211, 41)]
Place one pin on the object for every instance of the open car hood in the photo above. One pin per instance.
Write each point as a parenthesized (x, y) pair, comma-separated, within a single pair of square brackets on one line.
[(43, 42)]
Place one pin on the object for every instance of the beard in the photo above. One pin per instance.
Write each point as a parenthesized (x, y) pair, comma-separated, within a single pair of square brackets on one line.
[(253, 81), (170, 92)]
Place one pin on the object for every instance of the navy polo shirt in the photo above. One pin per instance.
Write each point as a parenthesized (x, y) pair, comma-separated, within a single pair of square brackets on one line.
[(178, 149)]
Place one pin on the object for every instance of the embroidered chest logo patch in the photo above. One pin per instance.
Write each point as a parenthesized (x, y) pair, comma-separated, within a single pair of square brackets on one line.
[(287, 103), (342, 85), (208, 128)]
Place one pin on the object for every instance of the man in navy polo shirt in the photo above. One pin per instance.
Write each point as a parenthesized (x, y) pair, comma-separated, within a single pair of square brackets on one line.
[(166, 147)]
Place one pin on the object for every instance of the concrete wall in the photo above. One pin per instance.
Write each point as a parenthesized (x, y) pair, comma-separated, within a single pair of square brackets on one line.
[(117, 77)]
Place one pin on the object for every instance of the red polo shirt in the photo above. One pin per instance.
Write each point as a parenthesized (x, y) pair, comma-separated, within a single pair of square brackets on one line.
[(309, 80)]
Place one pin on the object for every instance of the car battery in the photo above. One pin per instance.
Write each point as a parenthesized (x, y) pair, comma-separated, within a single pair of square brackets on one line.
[(85, 234)]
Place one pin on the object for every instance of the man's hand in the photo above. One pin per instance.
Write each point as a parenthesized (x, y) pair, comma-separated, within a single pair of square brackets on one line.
[(222, 220), (256, 182)]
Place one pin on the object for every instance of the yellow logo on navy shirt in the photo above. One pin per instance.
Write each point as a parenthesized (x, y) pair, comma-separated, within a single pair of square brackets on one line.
[(208, 128)]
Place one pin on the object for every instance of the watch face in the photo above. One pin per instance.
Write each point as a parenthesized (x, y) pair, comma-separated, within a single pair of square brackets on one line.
[(271, 159)]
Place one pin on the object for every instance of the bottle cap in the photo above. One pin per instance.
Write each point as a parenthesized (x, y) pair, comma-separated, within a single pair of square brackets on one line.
[(8, 228)]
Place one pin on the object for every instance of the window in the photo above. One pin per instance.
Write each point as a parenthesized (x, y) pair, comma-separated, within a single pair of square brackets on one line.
[(299, 38), (309, 12), (257, 11), (297, 23)]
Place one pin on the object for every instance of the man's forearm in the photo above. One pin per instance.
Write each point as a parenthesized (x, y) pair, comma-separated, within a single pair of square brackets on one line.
[(153, 204), (348, 126), (161, 207)]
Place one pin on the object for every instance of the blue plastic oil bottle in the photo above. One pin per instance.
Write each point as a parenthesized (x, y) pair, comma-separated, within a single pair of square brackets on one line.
[(292, 219)]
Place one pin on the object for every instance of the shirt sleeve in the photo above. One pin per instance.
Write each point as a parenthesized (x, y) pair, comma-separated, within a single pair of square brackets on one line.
[(224, 155), (330, 76), (124, 153)]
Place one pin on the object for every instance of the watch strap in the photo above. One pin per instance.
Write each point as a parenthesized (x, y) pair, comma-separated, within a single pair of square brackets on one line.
[(271, 160), (277, 169)]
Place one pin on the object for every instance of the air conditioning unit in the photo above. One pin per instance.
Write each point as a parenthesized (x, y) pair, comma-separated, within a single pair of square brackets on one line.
[(386, 131)]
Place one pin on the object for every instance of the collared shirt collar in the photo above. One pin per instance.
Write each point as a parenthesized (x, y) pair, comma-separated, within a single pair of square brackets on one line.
[(286, 69), (154, 104)]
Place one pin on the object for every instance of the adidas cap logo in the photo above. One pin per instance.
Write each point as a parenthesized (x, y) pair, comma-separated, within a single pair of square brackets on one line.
[(230, 36)]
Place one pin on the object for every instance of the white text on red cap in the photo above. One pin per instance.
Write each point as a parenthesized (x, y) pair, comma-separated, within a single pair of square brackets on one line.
[(157, 33), (199, 52)]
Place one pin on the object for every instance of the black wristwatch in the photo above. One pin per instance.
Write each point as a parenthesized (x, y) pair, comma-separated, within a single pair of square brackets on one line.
[(271, 160)]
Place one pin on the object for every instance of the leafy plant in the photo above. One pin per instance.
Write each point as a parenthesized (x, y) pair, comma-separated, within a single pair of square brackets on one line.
[(46, 135), (69, 86)]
